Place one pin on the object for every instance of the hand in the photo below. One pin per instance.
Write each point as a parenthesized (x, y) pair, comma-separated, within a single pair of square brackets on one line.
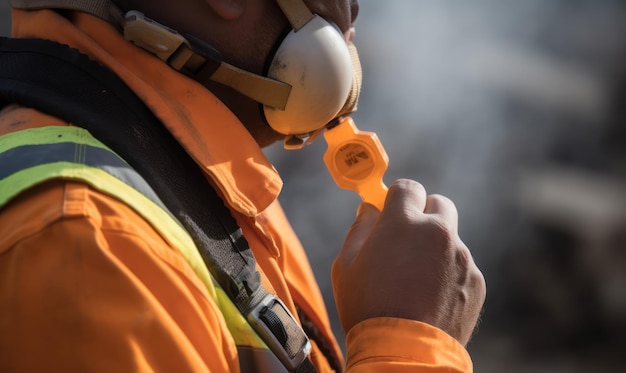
[(409, 262)]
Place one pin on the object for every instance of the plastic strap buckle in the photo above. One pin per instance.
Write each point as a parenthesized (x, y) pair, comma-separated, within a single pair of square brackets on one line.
[(177, 50), (280, 331)]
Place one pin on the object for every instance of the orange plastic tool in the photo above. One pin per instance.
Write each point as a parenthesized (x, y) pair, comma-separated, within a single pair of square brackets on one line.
[(357, 161)]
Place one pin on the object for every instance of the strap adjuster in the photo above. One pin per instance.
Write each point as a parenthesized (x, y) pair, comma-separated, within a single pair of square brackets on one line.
[(280, 331), (151, 35)]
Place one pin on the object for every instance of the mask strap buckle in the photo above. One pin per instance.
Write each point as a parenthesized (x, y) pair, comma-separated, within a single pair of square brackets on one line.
[(197, 59)]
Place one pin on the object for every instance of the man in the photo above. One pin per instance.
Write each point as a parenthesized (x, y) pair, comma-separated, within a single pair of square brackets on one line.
[(92, 279)]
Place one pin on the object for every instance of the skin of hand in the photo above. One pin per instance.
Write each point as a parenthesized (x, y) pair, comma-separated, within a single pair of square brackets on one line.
[(409, 262)]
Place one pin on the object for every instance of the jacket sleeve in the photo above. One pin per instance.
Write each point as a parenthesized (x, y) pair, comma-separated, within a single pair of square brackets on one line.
[(393, 345), (87, 285)]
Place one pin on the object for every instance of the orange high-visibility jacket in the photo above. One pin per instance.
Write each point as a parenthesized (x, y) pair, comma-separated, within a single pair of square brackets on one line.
[(87, 284)]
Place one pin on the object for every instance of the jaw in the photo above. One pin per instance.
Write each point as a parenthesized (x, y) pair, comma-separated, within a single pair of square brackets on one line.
[(248, 112)]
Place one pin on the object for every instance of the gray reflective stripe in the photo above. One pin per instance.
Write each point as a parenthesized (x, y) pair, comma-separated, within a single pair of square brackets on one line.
[(27, 156)]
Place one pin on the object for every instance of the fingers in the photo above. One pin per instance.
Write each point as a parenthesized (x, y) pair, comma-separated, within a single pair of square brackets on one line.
[(367, 215), (410, 196), (405, 196), (443, 207)]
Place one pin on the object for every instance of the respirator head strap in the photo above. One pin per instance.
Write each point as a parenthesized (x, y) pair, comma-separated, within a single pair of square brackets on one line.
[(195, 58), (296, 12), (259, 88)]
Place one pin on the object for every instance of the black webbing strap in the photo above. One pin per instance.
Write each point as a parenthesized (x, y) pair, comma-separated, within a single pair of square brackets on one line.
[(58, 80)]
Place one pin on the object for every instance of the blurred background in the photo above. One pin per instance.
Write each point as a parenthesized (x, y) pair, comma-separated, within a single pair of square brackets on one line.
[(515, 110)]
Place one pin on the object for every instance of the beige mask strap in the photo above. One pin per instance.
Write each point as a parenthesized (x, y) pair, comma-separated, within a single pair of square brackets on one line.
[(296, 12)]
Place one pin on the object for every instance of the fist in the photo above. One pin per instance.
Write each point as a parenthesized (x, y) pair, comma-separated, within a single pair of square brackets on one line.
[(409, 262)]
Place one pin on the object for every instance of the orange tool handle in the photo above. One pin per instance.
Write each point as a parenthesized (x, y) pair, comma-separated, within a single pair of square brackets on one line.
[(357, 161)]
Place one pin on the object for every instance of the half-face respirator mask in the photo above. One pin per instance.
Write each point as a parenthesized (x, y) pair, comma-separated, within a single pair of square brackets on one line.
[(324, 74), (312, 78)]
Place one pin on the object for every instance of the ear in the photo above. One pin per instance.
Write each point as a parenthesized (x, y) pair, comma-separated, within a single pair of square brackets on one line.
[(228, 9)]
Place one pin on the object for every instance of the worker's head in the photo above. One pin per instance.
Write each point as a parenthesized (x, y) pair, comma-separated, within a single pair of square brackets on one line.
[(250, 34)]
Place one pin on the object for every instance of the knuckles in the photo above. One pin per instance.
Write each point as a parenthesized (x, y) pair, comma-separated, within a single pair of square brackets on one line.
[(442, 200), (435, 231)]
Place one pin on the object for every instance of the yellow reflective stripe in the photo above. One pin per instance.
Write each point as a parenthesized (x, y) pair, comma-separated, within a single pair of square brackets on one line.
[(238, 326), (170, 230), (48, 135), (106, 183)]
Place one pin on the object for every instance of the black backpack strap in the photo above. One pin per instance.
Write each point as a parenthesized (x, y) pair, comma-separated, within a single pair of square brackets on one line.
[(60, 81)]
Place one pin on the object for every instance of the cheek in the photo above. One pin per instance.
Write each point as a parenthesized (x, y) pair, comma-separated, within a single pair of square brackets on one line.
[(256, 46)]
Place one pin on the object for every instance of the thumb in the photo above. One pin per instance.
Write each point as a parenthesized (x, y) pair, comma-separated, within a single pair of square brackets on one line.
[(367, 215)]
